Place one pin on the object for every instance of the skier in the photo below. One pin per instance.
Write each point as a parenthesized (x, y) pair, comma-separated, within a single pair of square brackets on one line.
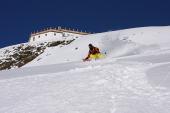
[(94, 53)]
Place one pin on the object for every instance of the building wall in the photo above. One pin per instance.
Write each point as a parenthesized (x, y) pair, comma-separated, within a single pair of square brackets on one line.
[(53, 36)]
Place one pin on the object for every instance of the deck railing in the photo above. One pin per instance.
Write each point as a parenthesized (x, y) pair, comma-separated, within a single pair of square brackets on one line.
[(60, 30)]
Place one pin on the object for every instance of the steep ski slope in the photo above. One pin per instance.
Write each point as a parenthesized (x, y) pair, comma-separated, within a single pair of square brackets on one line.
[(133, 78), (114, 44)]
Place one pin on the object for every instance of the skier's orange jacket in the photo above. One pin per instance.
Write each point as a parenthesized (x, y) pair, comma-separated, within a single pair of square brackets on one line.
[(92, 51)]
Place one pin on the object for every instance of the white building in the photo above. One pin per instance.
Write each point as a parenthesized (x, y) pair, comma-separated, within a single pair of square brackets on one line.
[(54, 34)]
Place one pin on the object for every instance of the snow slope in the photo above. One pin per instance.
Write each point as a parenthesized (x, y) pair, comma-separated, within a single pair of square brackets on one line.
[(95, 87), (114, 44), (133, 78)]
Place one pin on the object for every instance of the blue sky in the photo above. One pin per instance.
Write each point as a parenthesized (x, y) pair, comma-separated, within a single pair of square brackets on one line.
[(18, 18)]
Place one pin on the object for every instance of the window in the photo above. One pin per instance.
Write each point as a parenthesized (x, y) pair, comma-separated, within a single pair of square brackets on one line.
[(45, 34), (39, 36), (33, 38), (63, 34), (54, 34)]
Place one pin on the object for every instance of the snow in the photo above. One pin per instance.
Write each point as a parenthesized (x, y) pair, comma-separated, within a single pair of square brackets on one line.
[(132, 78), (114, 44), (98, 87), (10, 50)]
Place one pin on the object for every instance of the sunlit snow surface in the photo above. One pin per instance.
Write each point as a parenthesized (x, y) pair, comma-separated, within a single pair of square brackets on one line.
[(133, 78)]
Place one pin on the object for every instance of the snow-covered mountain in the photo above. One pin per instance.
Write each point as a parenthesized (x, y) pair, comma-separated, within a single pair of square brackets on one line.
[(114, 44), (134, 76), (18, 55)]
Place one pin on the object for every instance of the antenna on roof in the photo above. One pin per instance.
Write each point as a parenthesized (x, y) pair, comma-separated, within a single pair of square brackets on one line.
[(59, 27)]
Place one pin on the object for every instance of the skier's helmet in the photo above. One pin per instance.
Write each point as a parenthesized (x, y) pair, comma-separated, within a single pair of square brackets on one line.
[(90, 46)]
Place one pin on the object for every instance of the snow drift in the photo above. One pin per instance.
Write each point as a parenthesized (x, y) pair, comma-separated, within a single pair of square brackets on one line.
[(132, 78)]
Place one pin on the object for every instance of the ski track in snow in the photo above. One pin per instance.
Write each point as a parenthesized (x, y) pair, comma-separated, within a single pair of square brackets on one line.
[(133, 78), (92, 88)]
